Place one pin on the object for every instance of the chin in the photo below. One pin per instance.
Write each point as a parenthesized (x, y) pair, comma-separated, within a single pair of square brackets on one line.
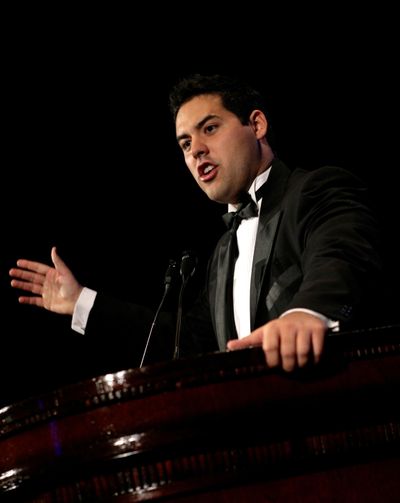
[(219, 196)]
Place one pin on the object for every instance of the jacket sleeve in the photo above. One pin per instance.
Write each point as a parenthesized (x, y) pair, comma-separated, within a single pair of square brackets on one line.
[(339, 246)]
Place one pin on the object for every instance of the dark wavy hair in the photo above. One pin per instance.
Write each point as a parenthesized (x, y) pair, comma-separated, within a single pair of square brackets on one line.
[(238, 97)]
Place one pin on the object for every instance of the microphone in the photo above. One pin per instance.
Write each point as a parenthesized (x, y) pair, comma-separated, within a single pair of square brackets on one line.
[(187, 269), (169, 276), (188, 265)]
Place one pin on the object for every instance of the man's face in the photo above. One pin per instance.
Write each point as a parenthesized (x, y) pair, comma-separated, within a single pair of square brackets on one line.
[(222, 154)]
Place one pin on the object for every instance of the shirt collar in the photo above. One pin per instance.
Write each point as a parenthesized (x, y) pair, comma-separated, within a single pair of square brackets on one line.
[(257, 183)]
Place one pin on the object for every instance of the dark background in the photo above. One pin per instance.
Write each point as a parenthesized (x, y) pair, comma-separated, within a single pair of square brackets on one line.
[(91, 165)]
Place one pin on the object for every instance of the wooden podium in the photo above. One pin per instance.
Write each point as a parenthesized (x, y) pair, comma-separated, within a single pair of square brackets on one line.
[(220, 427)]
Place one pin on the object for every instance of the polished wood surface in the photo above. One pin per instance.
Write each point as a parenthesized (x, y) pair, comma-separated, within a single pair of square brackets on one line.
[(219, 427)]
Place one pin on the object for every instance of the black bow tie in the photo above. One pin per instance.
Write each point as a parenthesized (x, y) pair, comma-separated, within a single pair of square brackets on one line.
[(247, 209)]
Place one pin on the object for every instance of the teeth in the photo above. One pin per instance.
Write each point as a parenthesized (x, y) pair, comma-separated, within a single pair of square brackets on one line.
[(207, 169)]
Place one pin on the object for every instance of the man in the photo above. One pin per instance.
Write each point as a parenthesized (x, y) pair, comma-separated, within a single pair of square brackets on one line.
[(301, 257)]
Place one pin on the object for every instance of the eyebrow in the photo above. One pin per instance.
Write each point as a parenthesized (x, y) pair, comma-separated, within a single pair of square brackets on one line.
[(198, 126)]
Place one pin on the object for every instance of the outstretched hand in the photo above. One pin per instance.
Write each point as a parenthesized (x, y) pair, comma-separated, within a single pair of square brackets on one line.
[(292, 341), (53, 288)]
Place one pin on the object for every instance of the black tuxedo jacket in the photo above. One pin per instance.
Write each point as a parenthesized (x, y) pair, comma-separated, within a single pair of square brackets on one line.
[(317, 247)]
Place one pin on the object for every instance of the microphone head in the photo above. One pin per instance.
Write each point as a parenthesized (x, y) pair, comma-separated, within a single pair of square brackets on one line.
[(170, 273), (188, 264)]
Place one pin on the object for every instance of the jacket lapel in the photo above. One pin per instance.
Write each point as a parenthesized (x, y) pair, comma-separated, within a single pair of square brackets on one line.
[(223, 318), (270, 216)]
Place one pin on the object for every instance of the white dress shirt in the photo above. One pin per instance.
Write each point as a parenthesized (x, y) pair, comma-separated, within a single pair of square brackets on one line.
[(246, 240)]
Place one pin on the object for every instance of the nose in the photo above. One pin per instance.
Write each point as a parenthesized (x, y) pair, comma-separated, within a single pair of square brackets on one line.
[(199, 148)]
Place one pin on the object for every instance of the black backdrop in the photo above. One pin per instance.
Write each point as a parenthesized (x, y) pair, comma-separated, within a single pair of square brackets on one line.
[(91, 163)]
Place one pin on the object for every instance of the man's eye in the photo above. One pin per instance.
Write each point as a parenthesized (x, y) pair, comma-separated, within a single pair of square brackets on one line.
[(185, 145), (210, 128)]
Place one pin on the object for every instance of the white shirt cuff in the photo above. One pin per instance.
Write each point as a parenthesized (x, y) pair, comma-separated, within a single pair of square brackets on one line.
[(82, 309), (333, 325)]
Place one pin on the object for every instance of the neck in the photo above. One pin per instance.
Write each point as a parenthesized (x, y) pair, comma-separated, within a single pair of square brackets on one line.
[(257, 182)]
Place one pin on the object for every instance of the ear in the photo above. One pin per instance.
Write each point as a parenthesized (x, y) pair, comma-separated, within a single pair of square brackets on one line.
[(259, 123)]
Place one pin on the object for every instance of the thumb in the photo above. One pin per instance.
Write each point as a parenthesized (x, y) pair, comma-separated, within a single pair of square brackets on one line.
[(58, 263), (254, 339)]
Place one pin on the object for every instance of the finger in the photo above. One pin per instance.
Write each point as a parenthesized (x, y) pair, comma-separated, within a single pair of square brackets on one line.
[(37, 267), (254, 339), (27, 286), (271, 347), (317, 342), (59, 264), (303, 347), (31, 277), (288, 349), (33, 301)]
